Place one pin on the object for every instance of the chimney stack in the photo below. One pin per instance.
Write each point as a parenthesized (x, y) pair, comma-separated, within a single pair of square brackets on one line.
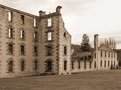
[(96, 41)]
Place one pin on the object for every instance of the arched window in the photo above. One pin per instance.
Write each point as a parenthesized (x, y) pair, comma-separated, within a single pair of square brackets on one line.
[(22, 65), (10, 66)]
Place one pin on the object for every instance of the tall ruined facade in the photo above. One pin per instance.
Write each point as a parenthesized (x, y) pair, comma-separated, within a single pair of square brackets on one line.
[(33, 45)]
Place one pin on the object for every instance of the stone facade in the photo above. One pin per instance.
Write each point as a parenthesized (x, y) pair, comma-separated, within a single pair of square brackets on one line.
[(33, 45), (101, 57)]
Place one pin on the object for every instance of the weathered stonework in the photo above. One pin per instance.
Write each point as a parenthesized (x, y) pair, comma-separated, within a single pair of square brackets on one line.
[(22, 22)]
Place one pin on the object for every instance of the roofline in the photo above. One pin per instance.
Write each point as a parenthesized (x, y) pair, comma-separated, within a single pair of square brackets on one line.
[(19, 11)]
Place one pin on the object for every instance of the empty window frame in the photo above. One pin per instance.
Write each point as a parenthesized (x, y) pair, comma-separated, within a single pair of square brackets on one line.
[(95, 64), (35, 65), (10, 66), (22, 49), (65, 65), (22, 65), (9, 16), (49, 22), (10, 48), (35, 36), (35, 50), (72, 65), (101, 63), (49, 50), (101, 53), (35, 22), (22, 19), (65, 50), (22, 34), (49, 36), (85, 65), (10, 32), (105, 64)]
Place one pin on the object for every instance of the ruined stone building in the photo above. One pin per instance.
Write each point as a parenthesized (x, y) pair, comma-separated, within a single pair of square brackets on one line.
[(101, 57), (33, 45)]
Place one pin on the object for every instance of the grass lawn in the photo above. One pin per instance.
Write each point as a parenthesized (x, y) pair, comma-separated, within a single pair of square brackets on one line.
[(95, 80)]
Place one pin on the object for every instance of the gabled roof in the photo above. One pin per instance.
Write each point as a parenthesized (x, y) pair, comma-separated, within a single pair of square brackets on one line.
[(104, 47)]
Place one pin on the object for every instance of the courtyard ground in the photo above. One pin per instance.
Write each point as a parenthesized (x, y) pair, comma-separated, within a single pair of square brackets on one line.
[(95, 80)]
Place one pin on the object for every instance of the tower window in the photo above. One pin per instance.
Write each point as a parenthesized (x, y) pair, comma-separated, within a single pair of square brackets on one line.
[(49, 22), (72, 65), (35, 36), (22, 49), (65, 65), (49, 50), (65, 50), (105, 64), (95, 64), (10, 32), (35, 51), (10, 48), (49, 36), (35, 64), (22, 65), (35, 22), (10, 66), (9, 16), (22, 34), (64, 34), (22, 19)]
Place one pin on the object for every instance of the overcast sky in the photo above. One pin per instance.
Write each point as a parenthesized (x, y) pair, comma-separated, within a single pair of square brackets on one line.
[(101, 17)]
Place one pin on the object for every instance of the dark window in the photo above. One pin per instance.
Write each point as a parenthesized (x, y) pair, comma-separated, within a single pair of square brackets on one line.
[(22, 65), (108, 63), (35, 51), (95, 55), (101, 63), (95, 64), (10, 48), (72, 65), (49, 50), (101, 54), (65, 65), (114, 63), (10, 66), (22, 49), (85, 65), (64, 34), (49, 66), (108, 54), (79, 65), (22, 19), (65, 50), (35, 65), (105, 64), (105, 54)]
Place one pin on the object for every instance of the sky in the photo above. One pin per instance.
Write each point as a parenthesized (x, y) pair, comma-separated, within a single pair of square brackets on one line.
[(89, 17)]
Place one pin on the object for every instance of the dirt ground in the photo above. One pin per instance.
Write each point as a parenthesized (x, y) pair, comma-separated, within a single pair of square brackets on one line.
[(103, 80)]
